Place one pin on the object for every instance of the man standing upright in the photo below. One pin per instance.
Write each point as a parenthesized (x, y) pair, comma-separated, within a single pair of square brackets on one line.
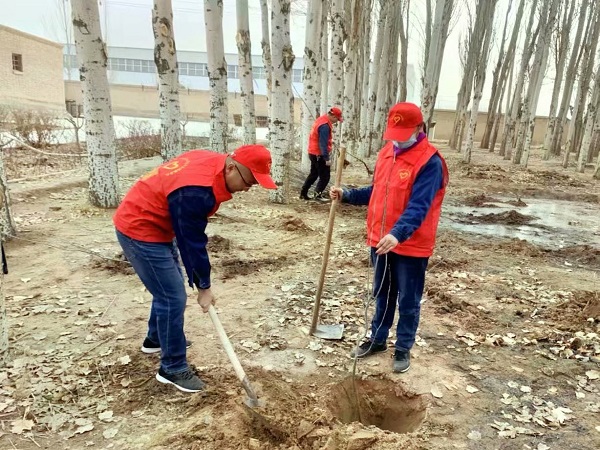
[(319, 148), (405, 202)]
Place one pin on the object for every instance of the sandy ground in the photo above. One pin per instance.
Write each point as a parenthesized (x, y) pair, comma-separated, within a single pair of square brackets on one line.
[(507, 355)]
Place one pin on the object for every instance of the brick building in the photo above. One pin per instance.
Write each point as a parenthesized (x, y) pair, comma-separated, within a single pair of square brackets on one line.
[(31, 71)]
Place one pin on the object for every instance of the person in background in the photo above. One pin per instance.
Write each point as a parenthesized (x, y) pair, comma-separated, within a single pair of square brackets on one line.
[(319, 148), (175, 200), (405, 201)]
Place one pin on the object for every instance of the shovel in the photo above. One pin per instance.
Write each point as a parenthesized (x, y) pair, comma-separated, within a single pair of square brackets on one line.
[(333, 332), (252, 400)]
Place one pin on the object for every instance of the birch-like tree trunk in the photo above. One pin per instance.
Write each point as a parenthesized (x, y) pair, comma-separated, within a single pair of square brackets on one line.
[(428, 31), (476, 39), (506, 93), (540, 61), (165, 58), (3, 324), (281, 99), (99, 129), (487, 11), (563, 34), (353, 26), (324, 57), (587, 67), (244, 46), (336, 73), (217, 75), (265, 44), (501, 71), (7, 229), (439, 34), (312, 74), (590, 124), (511, 119), (365, 72), (403, 67), (552, 143), (369, 114)]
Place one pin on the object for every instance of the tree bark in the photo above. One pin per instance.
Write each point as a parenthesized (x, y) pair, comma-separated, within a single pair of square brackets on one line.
[(336, 74), (281, 99), (245, 72), (312, 74), (439, 34), (324, 57), (217, 75), (402, 80), (165, 58), (487, 11), (265, 44), (590, 125), (100, 131)]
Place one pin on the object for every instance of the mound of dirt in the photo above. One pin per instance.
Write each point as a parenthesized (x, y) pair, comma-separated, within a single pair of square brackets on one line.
[(573, 315), (291, 223), (511, 217), (235, 267), (582, 255), (116, 264), (218, 244), (480, 200)]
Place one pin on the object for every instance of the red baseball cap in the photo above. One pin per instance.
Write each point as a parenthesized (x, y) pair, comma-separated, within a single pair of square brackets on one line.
[(337, 112), (258, 159), (403, 118)]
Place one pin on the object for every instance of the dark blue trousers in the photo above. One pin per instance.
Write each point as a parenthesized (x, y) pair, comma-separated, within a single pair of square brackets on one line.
[(398, 283)]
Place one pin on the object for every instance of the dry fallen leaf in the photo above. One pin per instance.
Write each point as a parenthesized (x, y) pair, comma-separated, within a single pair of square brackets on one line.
[(106, 416), (542, 447), (593, 374), (436, 391), (474, 435), (471, 389), (525, 389), (18, 426), (124, 360), (110, 433), (84, 428)]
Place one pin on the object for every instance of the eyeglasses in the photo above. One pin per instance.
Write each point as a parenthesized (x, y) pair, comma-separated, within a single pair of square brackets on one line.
[(242, 177)]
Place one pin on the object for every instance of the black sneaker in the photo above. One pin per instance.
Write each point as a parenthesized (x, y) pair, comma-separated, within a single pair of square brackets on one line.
[(401, 361), (368, 348), (304, 197), (322, 197), (150, 347), (186, 381)]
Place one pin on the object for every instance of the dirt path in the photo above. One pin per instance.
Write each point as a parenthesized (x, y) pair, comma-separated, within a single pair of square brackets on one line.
[(507, 355)]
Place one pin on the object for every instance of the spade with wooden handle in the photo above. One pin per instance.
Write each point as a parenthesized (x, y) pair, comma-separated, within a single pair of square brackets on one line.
[(252, 400), (334, 332)]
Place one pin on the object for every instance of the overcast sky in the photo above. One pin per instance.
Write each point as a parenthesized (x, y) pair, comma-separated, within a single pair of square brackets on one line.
[(128, 24)]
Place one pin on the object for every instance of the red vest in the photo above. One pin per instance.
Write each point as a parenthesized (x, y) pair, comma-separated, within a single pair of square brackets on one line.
[(313, 137), (396, 175), (144, 212)]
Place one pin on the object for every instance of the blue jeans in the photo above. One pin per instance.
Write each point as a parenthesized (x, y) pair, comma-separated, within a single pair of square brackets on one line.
[(157, 265), (398, 282)]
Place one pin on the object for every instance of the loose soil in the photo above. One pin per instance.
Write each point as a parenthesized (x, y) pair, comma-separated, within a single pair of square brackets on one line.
[(507, 354)]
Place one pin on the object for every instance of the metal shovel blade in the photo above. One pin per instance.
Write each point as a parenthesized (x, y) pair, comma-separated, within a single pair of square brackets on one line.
[(331, 332)]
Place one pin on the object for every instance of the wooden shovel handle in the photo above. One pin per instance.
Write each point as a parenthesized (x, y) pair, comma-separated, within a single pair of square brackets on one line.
[(334, 203)]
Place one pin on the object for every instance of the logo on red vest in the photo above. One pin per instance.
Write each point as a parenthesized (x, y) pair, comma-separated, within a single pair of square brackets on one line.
[(404, 174), (175, 166)]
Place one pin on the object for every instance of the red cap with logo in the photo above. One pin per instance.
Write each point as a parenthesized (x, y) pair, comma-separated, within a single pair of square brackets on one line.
[(403, 119), (258, 159), (336, 112)]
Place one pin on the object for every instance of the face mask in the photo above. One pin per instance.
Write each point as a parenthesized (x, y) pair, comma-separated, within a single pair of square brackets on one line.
[(406, 144)]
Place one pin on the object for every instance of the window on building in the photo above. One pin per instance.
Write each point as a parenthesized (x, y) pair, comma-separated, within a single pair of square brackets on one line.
[(70, 61), (17, 62), (193, 69), (262, 121), (297, 76), (232, 71), (258, 73)]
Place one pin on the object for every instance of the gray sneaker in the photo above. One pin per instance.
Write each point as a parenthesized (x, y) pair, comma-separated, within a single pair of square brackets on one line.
[(401, 361), (186, 381)]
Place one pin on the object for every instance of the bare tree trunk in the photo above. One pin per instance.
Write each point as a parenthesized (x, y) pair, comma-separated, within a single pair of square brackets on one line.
[(281, 98), (266, 51), (511, 119), (428, 31), (487, 11), (540, 62), (501, 116), (312, 74), (553, 142), (365, 70), (476, 38), (590, 125), (165, 58), (587, 66), (402, 81), (563, 35), (439, 34), (100, 131), (501, 71), (217, 75), (245, 72), (336, 74), (367, 132), (324, 57)]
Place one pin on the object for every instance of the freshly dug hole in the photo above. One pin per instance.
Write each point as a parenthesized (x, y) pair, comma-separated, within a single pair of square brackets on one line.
[(381, 403)]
